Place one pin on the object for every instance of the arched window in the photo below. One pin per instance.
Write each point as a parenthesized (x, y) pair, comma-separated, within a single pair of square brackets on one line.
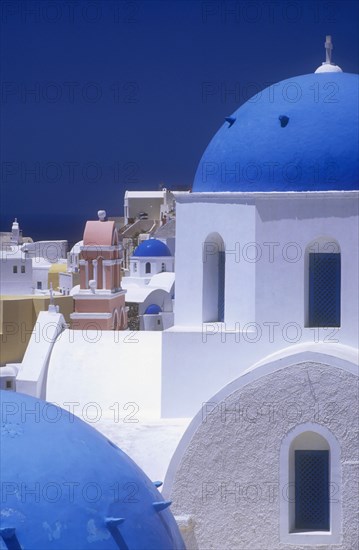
[(311, 482), (123, 324), (14, 269), (115, 320), (323, 273), (148, 267), (310, 486), (213, 278)]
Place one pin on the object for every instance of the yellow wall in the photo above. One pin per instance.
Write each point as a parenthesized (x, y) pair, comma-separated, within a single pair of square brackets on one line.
[(54, 271), (18, 316), (17, 322)]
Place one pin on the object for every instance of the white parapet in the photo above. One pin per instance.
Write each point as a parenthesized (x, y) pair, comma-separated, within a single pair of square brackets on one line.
[(31, 378)]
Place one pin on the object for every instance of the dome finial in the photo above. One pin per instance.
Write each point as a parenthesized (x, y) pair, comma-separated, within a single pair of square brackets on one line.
[(327, 66)]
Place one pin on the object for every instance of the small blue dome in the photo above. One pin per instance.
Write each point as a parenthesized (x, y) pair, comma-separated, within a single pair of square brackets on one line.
[(298, 135), (65, 486), (153, 309), (151, 248)]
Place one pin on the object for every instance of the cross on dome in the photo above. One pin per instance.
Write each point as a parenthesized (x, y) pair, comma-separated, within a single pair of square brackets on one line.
[(328, 49), (327, 66)]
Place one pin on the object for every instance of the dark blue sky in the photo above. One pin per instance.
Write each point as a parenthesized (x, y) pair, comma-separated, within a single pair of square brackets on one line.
[(102, 96)]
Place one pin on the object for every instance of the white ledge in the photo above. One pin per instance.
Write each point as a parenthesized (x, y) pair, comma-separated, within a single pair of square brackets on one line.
[(234, 196)]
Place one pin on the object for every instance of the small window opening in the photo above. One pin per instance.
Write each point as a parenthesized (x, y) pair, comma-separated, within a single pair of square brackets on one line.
[(312, 490), (324, 290)]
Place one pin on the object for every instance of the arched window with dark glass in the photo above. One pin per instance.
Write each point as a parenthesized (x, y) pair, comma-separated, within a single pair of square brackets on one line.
[(213, 279), (323, 283), (311, 477), (312, 490), (148, 267), (221, 281)]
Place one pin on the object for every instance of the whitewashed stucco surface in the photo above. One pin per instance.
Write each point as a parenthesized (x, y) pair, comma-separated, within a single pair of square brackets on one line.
[(150, 444), (101, 374), (244, 449)]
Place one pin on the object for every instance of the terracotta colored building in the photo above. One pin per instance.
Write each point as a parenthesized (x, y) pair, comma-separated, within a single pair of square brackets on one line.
[(100, 302)]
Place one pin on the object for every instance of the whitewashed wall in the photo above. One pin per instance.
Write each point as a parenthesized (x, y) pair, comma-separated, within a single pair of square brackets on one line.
[(226, 474), (265, 236), (15, 283)]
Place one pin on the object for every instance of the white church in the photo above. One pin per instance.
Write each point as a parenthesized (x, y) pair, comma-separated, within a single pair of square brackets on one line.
[(255, 386)]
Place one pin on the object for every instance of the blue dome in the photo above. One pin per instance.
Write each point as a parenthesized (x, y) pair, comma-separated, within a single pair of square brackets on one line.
[(153, 309), (65, 486), (298, 135), (152, 247)]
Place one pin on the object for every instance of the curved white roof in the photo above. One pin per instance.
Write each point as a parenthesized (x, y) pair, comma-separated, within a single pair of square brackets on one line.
[(163, 280)]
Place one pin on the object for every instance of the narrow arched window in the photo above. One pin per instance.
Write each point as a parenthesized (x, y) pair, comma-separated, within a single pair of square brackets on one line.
[(148, 267), (323, 283), (213, 279), (311, 490), (324, 290), (115, 320), (310, 472), (310, 477), (221, 280)]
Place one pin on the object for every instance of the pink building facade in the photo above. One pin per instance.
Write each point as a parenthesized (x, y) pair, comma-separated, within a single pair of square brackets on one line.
[(100, 302)]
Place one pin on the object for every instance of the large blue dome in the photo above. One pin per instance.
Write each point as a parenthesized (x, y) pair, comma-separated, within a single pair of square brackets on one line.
[(298, 135), (65, 486), (151, 248)]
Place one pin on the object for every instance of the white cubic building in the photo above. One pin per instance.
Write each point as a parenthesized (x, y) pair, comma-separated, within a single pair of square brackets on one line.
[(16, 273), (267, 312)]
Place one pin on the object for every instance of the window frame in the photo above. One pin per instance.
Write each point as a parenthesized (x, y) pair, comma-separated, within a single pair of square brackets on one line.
[(288, 534), (301, 501), (315, 312), (323, 244), (213, 279)]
